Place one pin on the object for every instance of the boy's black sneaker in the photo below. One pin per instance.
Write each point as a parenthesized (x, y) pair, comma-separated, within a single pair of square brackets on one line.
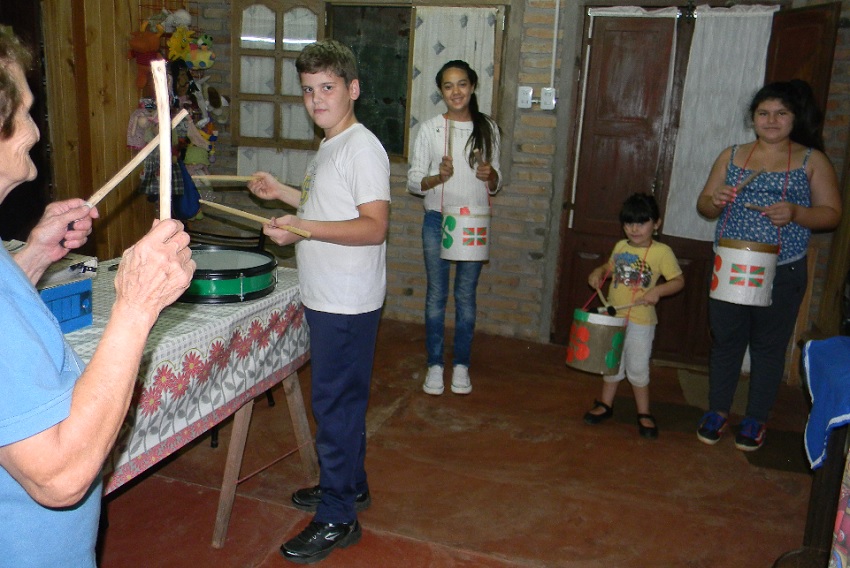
[(318, 540), (308, 499)]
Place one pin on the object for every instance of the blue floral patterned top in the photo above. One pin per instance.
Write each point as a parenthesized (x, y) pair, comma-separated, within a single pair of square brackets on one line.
[(738, 222)]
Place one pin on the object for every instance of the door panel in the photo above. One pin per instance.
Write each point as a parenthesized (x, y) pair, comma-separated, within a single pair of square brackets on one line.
[(802, 44), (622, 138), (682, 333), (623, 118), (584, 253)]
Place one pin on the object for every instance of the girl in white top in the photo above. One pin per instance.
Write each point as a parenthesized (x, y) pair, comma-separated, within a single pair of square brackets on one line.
[(454, 162)]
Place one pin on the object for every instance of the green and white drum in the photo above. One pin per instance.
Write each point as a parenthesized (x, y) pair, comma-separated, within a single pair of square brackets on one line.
[(226, 275)]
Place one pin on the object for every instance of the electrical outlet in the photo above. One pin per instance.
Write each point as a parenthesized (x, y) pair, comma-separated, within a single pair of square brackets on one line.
[(524, 95), (547, 98)]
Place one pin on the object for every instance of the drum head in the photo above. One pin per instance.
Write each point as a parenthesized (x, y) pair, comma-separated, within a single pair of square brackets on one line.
[(229, 274)]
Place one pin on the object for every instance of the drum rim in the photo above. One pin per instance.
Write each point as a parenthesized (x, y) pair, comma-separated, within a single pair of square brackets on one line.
[(752, 246), (217, 274)]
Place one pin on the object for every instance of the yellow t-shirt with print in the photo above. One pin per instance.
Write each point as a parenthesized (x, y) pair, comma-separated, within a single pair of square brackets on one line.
[(635, 271)]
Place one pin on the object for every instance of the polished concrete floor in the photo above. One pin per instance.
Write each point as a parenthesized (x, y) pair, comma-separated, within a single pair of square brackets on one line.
[(506, 476)]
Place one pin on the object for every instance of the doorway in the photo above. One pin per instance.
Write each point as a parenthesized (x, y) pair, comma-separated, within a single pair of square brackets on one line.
[(627, 134)]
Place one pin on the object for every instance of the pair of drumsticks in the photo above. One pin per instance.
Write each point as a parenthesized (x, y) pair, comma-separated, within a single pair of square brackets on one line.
[(163, 140), (608, 308)]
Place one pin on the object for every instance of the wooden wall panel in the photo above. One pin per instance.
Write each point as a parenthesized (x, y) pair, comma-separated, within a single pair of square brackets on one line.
[(92, 89), (59, 63)]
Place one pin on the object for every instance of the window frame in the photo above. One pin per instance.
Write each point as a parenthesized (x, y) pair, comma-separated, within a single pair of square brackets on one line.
[(280, 8)]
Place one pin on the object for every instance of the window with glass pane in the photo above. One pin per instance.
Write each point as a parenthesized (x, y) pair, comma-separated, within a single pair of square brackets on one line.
[(269, 107), (299, 29), (258, 23)]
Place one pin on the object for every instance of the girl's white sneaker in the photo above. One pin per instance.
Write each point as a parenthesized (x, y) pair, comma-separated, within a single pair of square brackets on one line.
[(460, 380), (434, 380)]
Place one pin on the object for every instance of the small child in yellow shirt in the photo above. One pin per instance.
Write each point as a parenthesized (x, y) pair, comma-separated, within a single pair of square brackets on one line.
[(636, 265)]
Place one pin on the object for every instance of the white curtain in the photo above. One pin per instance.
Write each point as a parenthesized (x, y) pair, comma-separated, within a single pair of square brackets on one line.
[(445, 34), (725, 69)]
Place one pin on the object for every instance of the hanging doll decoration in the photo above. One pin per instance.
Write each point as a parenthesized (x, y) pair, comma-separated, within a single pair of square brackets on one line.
[(189, 56), (144, 48)]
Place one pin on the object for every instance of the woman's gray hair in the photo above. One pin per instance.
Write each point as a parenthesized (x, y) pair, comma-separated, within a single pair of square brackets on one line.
[(12, 53)]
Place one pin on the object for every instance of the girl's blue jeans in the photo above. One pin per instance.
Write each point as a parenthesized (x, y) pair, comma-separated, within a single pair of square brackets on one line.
[(437, 295)]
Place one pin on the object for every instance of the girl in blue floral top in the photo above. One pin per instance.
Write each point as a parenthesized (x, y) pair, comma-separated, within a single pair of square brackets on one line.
[(796, 194)]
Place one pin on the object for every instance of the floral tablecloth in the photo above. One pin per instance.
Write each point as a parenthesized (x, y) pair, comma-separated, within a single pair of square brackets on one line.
[(202, 362)]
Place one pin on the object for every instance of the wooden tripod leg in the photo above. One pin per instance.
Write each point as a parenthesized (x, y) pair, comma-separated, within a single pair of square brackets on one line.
[(238, 437), (303, 436)]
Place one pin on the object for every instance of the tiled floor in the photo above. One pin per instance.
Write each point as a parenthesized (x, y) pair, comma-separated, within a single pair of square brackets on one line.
[(506, 476)]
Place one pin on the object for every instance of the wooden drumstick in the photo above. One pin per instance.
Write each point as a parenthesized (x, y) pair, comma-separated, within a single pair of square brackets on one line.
[(602, 297), (98, 195), (160, 81), (748, 179), (223, 178), (257, 218), (612, 310)]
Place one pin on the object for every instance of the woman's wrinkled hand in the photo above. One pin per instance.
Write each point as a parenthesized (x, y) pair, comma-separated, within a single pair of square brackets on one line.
[(156, 270), (65, 225)]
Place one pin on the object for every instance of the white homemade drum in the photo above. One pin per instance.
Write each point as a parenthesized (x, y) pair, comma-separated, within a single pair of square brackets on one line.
[(226, 275), (744, 272), (596, 342), (466, 233)]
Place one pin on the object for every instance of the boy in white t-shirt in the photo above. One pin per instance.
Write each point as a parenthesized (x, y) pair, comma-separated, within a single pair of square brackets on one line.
[(344, 204)]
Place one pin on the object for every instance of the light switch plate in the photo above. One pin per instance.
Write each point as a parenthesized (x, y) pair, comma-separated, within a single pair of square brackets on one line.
[(524, 95), (547, 98)]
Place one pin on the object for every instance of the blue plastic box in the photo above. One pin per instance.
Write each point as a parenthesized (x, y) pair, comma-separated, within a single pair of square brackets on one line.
[(71, 303)]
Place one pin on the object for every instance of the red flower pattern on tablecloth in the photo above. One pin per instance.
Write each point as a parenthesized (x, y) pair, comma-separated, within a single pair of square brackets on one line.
[(274, 318), (280, 323), (179, 385), (219, 355), (150, 400), (255, 330), (193, 365), (204, 372), (242, 346), (264, 339), (164, 374)]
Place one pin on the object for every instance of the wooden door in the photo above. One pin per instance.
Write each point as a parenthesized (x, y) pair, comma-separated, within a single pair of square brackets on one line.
[(623, 118), (802, 44), (625, 148)]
